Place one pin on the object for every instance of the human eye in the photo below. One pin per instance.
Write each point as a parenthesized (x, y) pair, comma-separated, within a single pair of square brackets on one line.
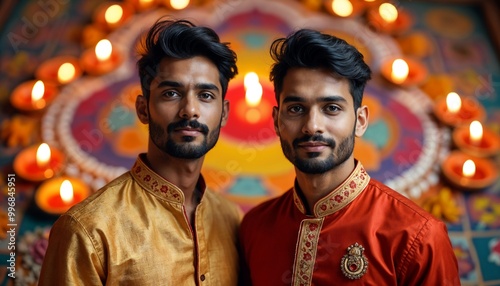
[(295, 109), (170, 94), (332, 109), (206, 96)]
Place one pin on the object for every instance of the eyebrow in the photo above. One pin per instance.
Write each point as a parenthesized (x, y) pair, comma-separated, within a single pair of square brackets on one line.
[(330, 98), (206, 86)]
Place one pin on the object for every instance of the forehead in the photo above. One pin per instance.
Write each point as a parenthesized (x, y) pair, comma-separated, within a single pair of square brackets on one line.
[(192, 70), (314, 84)]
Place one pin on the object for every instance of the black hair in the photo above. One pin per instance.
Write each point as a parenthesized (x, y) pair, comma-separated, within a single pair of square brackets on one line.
[(311, 49), (181, 39)]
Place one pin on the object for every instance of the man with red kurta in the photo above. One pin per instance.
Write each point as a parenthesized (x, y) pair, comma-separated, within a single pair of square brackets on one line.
[(336, 225)]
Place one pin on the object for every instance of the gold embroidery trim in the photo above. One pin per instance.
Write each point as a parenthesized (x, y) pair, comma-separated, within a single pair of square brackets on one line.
[(344, 194), (305, 254), (152, 182)]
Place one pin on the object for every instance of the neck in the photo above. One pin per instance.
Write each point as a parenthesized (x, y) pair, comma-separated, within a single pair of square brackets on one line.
[(316, 186), (184, 173)]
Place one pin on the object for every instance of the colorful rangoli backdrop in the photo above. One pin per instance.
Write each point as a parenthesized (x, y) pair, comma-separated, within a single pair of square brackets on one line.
[(93, 120)]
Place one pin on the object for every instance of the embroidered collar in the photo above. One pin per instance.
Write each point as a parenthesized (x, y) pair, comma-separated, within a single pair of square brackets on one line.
[(340, 197), (156, 184)]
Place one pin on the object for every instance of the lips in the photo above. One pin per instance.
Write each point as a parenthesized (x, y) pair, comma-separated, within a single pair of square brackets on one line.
[(313, 146), (189, 131)]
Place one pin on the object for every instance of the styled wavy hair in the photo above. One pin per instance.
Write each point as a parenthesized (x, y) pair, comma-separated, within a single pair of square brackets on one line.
[(308, 48), (181, 39)]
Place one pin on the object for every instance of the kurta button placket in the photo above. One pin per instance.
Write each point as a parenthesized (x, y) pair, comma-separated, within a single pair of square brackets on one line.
[(202, 277)]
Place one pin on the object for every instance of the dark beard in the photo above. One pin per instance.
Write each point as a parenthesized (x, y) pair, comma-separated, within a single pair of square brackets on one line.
[(311, 165), (159, 136)]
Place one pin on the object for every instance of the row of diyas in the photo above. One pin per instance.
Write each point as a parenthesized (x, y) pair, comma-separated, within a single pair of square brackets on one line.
[(382, 16), (36, 94), (471, 167), (103, 58), (475, 142), (43, 164)]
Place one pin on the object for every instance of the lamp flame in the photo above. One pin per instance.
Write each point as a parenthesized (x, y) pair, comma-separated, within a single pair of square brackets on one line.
[(253, 94), (103, 50), (469, 169), (113, 14), (37, 91), (43, 155), (453, 102), (342, 8), (388, 12), (66, 191), (400, 71), (476, 131), (66, 73), (179, 4)]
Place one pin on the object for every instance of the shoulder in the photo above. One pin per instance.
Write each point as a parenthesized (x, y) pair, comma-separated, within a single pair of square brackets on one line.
[(405, 216), (396, 202), (103, 201)]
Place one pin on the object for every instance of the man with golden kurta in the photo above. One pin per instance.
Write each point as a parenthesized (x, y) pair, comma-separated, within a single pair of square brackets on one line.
[(158, 224)]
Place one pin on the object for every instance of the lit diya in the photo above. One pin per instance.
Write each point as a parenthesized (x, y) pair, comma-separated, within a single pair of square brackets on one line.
[(387, 19), (112, 15), (469, 172), (344, 8), (175, 4), (38, 163), (404, 71), (101, 60), (33, 95), (57, 195), (456, 111), (477, 140), (253, 109), (59, 70), (252, 102)]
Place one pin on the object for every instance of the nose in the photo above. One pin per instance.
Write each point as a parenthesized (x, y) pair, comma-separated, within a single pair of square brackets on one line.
[(314, 123), (189, 107)]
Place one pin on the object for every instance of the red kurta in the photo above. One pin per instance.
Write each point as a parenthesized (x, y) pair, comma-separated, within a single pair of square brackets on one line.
[(403, 244)]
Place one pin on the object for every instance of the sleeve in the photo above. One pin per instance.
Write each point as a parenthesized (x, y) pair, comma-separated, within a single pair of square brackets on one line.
[(430, 259), (71, 257)]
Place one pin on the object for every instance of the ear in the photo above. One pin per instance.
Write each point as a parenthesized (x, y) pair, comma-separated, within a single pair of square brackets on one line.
[(275, 119), (141, 108), (225, 112), (362, 115)]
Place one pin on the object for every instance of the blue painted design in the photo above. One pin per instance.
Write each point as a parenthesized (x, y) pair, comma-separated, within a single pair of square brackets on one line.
[(120, 116), (489, 268), (255, 40), (378, 133), (248, 187)]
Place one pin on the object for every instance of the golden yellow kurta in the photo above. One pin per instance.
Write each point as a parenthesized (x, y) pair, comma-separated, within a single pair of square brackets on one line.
[(134, 231)]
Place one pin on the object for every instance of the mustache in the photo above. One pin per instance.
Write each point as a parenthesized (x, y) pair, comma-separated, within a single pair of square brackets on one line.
[(314, 138), (187, 123)]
